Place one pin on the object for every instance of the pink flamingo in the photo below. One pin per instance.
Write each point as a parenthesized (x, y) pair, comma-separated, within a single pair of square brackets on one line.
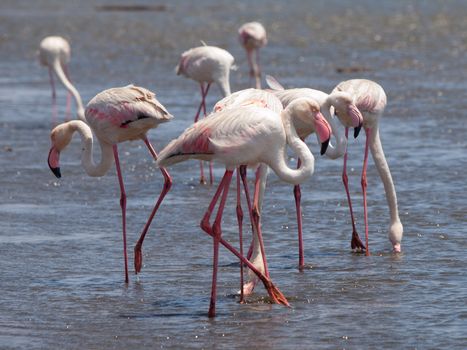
[(265, 99), (246, 135), (252, 36), (370, 99), (206, 65), (54, 53), (341, 103), (115, 115)]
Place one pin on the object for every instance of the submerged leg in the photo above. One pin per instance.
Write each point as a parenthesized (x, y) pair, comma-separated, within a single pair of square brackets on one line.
[(356, 242), (165, 189), (364, 186), (123, 206)]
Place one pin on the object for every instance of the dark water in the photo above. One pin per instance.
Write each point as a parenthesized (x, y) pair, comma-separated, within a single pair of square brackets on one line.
[(61, 280)]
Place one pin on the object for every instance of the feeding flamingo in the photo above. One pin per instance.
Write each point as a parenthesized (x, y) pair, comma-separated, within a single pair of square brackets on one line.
[(265, 99), (246, 135), (54, 53), (115, 115), (206, 65), (252, 36), (343, 105), (370, 99)]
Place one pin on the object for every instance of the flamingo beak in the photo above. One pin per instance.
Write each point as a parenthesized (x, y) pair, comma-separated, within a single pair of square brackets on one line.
[(356, 117), (324, 146), (323, 130), (356, 130), (53, 161)]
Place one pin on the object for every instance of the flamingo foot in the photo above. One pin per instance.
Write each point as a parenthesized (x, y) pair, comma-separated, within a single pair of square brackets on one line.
[(356, 243), (138, 259), (202, 181), (275, 294)]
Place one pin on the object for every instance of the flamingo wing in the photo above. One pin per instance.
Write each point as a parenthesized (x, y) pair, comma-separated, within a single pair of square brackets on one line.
[(234, 136)]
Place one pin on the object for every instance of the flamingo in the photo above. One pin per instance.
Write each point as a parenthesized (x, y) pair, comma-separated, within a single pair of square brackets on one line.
[(206, 65), (342, 103), (252, 36), (115, 115), (265, 99), (370, 99), (54, 53), (246, 135)]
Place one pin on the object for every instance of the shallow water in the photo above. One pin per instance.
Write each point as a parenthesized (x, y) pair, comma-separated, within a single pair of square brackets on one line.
[(60, 240)]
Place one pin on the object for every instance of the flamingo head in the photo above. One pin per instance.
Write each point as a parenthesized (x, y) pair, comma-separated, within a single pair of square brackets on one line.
[(346, 111), (302, 109), (395, 236), (60, 137)]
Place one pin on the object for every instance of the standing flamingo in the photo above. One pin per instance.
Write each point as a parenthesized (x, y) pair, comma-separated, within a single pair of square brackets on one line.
[(370, 99), (252, 36), (206, 65), (342, 104), (54, 53), (246, 135), (265, 99), (115, 115)]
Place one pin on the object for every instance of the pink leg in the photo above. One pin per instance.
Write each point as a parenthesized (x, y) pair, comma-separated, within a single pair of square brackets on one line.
[(202, 106), (211, 176), (240, 231), (217, 232), (364, 186), (68, 95), (356, 242), (298, 208), (54, 97), (165, 189), (214, 232), (123, 206), (256, 218)]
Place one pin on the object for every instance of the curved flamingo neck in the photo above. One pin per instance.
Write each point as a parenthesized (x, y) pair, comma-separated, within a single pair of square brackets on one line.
[(57, 67), (384, 172), (87, 161), (334, 152), (224, 85), (280, 167)]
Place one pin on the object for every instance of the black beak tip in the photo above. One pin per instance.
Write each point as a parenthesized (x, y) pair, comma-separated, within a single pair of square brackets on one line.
[(356, 131), (324, 146), (56, 172)]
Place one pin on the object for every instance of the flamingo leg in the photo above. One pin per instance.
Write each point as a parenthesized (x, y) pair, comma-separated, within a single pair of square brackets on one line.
[(164, 191), (54, 97), (256, 217), (356, 242), (364, 186), (249, 287), (211, 176), (298, 208), (240, 231), (217, 232), (68, 95), (275, 294), (123, 206), (202, 106)]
